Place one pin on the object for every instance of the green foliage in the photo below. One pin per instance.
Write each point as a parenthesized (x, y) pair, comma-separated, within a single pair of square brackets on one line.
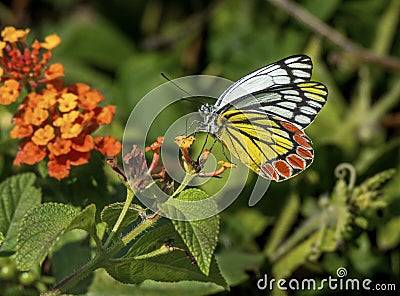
[(307, 227), (39, 230), (149, 259), (17, 195), (111, 213), (334, 223), (200, 236), (85, 220)]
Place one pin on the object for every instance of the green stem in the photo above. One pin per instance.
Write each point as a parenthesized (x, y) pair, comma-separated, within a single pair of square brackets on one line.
[(128, 201), (78, 275), (145, 224), (185, 182), (97, 240), (102, 259), (164, 249)]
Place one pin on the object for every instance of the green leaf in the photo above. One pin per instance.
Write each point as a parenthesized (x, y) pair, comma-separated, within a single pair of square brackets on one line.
[(200, 236), (103, 284), (171, 267), (111, 213), (17, 196), (86, 220), (40, 228)]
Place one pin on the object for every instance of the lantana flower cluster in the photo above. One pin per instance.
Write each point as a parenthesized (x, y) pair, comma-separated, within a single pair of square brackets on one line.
[(54, 121)]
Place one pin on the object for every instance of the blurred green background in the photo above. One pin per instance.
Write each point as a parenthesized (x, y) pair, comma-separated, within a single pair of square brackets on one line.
[(121, 47)]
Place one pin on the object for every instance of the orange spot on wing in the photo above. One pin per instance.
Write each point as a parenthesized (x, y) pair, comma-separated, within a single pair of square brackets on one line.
[(269, 171), (283, 168), (302, 141), (296, 161), (291, 128), (304, 152)]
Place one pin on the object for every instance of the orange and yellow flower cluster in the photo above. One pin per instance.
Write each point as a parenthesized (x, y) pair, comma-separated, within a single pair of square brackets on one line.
[(55, 121)]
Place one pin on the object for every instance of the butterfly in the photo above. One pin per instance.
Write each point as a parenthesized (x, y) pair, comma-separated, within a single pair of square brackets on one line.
[(261, 117)]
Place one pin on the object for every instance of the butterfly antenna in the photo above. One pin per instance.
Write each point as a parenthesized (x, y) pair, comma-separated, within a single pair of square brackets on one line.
[(176, 85)]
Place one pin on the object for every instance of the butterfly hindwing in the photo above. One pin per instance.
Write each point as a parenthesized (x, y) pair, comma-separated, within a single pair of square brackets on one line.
[(271, 147)]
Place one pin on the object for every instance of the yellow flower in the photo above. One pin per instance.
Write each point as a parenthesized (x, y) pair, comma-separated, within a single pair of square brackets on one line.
[(51, 41), (67, 102), (43, 135), (2, 45), (12, 35)]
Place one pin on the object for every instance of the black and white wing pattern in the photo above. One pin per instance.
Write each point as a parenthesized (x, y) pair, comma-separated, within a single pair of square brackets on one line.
[(297, 103), (291, 70)]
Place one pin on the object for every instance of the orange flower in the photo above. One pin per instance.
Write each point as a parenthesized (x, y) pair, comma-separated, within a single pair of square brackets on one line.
[(9, 92), (21, 131), (54, 71), (67, 102), (56, 121), (83, 144), (156, 146), (106, 114), (43, 135), (60, 146), (59, 168), (90, 100), (79, 158), (24, 64), (108, 145), (30, 154)]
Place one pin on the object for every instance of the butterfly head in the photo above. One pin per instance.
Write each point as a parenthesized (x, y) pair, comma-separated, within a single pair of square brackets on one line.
[(209, 115)]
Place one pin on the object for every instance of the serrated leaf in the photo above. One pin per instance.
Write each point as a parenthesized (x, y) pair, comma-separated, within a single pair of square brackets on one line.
[(200, 236), (17, 196), (170, 267), (85, 219), (111, 213), (40, 228)]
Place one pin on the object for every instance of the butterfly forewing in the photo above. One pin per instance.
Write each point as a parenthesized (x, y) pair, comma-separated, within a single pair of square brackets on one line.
[(294, 69), (297, 103)]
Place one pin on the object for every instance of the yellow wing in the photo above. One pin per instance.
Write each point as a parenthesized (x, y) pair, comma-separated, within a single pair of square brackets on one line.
[(271, 147)]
